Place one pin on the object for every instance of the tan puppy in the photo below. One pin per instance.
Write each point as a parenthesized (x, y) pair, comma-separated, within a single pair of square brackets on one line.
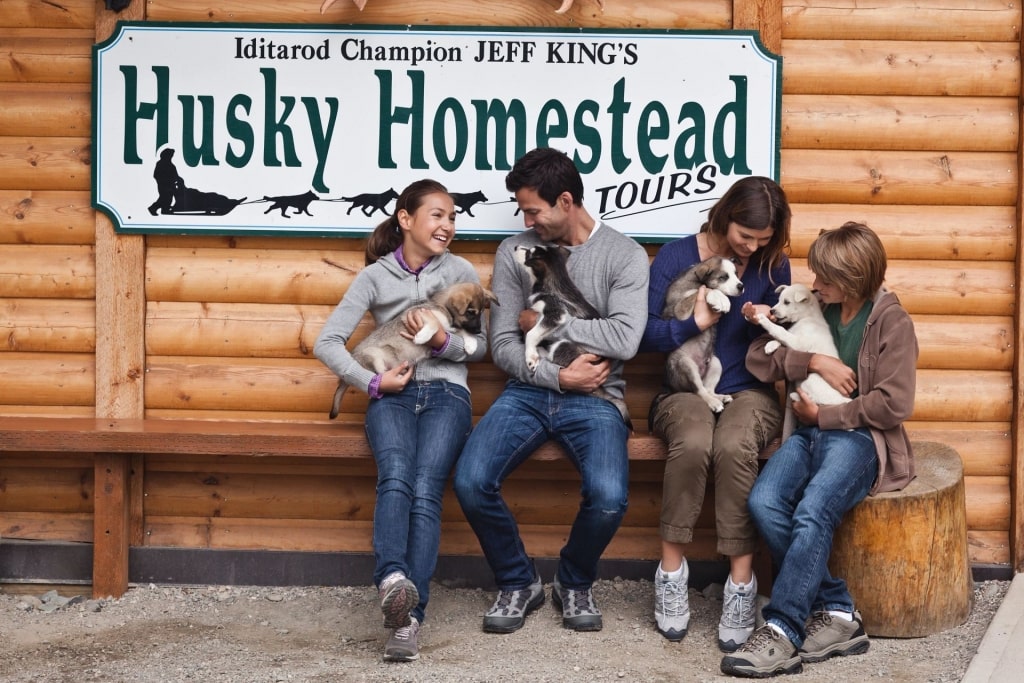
[(457, 309)]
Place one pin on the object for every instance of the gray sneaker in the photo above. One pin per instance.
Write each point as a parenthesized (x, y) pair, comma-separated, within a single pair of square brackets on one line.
[(738, 615), (766, 653), (578, 609), (403, 645), (398, 596), (828, 636), (671, 604), (508, 613)]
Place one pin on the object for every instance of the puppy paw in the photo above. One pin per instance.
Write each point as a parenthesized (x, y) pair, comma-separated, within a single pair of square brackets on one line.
[(772, 346), (469, 344), (715, 404), (532, 360), (724, 398), (718, 301)]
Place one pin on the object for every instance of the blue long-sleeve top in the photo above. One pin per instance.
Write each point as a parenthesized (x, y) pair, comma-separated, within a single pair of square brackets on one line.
[(734, 333)]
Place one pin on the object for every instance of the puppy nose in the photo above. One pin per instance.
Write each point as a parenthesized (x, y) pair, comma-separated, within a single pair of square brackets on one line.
[(740, 288)]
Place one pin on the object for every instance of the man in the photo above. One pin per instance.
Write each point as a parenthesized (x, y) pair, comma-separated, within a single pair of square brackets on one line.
[(553, 402)]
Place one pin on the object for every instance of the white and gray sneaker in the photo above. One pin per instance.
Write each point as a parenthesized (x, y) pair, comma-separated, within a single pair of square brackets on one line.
[(508, 613), (739, 612), (672, 603), (579, 611), (398, 597)]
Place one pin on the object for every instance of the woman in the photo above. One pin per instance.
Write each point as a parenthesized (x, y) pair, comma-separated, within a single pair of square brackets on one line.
[(750, 225), (838, 455), (416, 426)]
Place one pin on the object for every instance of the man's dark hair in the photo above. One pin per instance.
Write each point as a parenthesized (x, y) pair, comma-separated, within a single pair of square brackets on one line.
[(547, 171)]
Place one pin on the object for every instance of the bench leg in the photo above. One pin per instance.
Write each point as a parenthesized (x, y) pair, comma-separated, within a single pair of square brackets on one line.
[(110, 525)]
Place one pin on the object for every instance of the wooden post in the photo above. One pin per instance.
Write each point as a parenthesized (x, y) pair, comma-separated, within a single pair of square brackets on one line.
[(120, 366), (1017, 457), (764, 16)]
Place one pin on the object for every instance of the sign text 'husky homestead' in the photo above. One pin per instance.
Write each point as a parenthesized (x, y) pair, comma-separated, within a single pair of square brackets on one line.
[(268, 129)]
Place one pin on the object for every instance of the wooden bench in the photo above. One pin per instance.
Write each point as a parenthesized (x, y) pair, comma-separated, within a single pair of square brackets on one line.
[(113, 445)]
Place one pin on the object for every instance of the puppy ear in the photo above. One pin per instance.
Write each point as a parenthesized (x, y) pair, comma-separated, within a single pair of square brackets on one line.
[(778, 290), (801, 295), (490, 297)]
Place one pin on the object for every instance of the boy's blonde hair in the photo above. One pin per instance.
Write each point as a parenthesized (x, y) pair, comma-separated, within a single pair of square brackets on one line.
[(850, 257)]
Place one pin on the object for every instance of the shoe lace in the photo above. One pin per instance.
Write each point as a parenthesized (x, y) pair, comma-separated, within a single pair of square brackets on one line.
[(671, 599), (407, 632), (738, 609), (818, 622), (582, 600), (760, 638), (504, 600)]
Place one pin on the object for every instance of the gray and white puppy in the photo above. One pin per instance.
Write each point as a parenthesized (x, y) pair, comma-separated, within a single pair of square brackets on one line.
[(694, 367), (457, 309)]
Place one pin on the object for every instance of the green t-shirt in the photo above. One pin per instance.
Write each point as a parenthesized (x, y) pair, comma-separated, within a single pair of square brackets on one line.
[(848, 337)]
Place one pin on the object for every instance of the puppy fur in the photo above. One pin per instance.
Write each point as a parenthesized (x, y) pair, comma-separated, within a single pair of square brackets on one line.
[(556, 300), (458, 309), (694, 367), (807, 330)]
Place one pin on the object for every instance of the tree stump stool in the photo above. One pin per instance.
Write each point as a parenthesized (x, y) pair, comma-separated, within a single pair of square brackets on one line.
[(904, 554)]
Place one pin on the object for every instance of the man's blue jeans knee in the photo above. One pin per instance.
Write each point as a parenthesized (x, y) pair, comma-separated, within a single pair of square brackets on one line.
[(416, 436), (797, 502), (594, 437)]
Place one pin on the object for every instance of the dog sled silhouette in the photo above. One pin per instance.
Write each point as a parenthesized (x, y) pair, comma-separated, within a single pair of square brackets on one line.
[(192, 202)]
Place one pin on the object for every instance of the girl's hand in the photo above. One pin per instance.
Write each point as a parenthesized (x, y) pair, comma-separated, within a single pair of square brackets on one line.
[(394, 380), (805, 409), (416, 319)]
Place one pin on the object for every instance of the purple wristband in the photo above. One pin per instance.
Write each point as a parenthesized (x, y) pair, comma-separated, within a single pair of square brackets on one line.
[(374, 389), (434, 353)]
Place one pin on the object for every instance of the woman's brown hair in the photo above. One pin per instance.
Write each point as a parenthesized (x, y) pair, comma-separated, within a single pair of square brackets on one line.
[(755, 202)]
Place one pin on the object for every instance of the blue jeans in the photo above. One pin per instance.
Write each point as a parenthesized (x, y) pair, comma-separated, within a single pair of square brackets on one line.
[(797, 502), (523, 417), (416, 436)]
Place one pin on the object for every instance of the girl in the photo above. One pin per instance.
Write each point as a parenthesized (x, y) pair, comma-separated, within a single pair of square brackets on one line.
[(750, 225), (838, 455), (416, 426)]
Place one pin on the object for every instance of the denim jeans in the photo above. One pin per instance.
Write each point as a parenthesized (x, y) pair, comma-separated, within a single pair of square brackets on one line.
[(797, 502), (593, 435), (416, 435)]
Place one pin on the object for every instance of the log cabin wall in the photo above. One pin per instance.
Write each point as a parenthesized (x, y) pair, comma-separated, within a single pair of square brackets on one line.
[(903, 115)]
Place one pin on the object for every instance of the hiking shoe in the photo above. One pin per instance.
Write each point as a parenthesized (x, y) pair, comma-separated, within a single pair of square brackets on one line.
[(739, 605), (829, 636), (578, 609), (672, 604), (398, 595), (766, 653), (508, 613), (403, 645)]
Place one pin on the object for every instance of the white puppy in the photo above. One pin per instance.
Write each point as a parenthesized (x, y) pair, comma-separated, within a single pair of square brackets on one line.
[(808, 332)]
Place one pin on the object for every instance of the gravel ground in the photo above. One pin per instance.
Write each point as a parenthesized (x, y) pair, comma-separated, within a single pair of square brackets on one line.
[(256, 634)]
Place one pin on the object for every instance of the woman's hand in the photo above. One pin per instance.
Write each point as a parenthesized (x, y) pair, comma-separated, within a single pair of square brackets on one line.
[(394, 380), (751, 311)]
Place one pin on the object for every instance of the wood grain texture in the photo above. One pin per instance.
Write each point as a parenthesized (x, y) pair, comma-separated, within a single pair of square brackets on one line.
[(46, 217), (48, 325)]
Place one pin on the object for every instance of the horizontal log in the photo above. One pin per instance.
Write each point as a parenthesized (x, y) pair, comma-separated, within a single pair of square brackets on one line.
[(45, 109), (899, 177), (47, 379), (975, 124), (985, 447), (258, 276), (80, 14), (704, 14), (955, 288), (47, 526), (900, 67), (980, 20), (46, 55), (45, 163), (988, 503), (46, 217), (988, 547), (62, 271), (939, 233), (963, 396), (47, 489), (970, 343), (254, 330), (48, 325), (52, 410)]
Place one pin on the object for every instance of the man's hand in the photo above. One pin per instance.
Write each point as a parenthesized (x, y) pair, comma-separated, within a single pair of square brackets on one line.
[(585, 374), (835, 372), (528, 320), (395, 379)]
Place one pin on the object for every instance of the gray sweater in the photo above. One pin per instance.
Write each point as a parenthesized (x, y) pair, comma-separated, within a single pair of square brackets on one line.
[(610, 269), (385, 289)]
